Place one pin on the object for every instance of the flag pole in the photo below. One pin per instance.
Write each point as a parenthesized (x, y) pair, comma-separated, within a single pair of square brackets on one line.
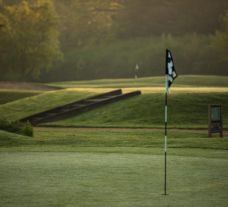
[(165, 141), (171, 75)]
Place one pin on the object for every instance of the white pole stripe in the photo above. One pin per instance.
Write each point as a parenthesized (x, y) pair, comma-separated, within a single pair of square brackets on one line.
[(165, 143)]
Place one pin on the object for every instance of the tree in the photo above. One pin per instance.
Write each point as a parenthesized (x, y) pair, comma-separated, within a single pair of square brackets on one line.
[(85, 22), (222, 36), (219, 43), (141, 18), (29, 40)]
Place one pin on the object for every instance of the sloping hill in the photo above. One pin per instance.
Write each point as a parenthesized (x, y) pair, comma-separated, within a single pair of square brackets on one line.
[(80, 106), (188, 102), (147, 110), (24, 107)]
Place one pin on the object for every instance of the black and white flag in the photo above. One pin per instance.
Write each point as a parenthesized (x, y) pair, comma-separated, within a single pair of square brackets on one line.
[(170, 70)]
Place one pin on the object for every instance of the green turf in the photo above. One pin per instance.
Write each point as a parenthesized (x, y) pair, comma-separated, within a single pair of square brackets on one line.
[(181, 81), (86, 138), (185, 111), (118, 167), (94, 179), (112, 167), (35, 104), (8, 96)]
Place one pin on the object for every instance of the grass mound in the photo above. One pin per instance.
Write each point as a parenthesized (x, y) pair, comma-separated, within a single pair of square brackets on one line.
[(35, 104), (147, 110), (188, 102)]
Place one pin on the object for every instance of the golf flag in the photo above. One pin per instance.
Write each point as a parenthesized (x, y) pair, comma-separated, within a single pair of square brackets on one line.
[(171, 74), (169, 70)]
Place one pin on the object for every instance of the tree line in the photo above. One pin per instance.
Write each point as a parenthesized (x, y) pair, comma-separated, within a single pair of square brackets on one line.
[(49, 40)]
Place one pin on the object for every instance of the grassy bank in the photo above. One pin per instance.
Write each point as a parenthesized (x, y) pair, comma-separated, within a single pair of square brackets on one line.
[(35, 104), (185, 111), (188, 102)]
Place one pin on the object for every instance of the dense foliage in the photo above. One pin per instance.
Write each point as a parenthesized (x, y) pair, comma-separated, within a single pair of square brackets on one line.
[(155, 17), (106, 39), (28, 39), (16, 127)]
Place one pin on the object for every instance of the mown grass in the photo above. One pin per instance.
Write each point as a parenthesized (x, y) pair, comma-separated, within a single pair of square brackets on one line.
[(35, 104), (112, 167), (125, 180), (69, 138), (8, 96), (92, 167), (188, 105), (185, 111)]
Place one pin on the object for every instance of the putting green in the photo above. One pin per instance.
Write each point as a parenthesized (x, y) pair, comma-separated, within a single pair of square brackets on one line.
[(112, 179)]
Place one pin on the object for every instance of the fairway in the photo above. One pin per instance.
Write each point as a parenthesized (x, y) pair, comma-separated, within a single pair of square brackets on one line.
[(113, 179)]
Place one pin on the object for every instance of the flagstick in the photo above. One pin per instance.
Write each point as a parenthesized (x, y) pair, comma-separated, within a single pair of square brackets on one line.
[(165, 143), (170, 77)]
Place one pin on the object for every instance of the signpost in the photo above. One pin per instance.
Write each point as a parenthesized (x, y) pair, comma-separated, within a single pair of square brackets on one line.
[(215, 123)]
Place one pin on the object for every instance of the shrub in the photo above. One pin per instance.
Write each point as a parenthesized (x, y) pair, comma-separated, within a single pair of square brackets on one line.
[(26, 129), (16, 127)]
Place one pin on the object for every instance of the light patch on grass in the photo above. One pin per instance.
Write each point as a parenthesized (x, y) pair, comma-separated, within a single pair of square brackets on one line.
[(155, 89), (156, 81)]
